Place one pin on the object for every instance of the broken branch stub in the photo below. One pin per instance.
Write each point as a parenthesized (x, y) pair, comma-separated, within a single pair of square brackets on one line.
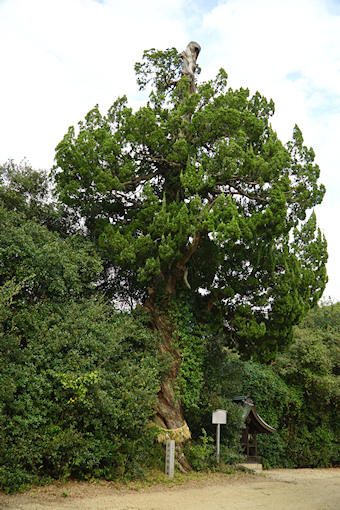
[(189, 57)]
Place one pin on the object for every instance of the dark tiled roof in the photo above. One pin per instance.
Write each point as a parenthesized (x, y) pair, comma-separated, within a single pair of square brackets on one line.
[(253, 420)]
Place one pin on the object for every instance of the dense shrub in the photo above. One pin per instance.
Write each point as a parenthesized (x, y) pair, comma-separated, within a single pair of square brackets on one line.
[(201, 453), (299, 394), (78, 381), (76, 398)]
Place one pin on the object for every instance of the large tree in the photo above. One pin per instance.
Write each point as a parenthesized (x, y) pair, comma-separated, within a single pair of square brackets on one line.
[(199, 211)]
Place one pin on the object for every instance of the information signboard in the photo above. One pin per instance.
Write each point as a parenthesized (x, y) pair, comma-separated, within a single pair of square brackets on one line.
[(219, 417)]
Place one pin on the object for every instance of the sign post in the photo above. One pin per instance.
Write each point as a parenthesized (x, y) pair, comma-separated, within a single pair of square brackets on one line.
[(219, 417), (170, 458)]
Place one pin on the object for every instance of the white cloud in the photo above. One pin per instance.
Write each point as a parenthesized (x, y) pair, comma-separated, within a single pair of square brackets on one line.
[(262, 44), (62, 57)]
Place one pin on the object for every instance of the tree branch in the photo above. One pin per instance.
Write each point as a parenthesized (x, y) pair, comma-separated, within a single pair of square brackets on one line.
[(191, 249), (141, 178)]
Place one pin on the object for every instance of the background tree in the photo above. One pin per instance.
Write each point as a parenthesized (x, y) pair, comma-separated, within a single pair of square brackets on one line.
[(199, 211), (30, 192), (47, 267), (311, 369)]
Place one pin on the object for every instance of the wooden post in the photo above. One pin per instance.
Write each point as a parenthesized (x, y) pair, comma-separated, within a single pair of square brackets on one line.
[(218, 439), (170, 458)]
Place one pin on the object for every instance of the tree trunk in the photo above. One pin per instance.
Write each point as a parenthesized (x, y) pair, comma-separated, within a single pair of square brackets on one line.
[(169, 409)]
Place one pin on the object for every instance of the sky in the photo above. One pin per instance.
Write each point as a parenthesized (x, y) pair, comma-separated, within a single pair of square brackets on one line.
[(59, 58)]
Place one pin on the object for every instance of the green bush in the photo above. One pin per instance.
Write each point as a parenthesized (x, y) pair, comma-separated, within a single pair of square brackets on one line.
[(201, 454), (75, 399), (299, 395)]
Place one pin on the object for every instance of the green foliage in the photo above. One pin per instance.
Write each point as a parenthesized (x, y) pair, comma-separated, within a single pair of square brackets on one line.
[(200, 184), (202, 454), (31, 193), (161, 68), (221, 377), (7, 291), (78, 381), (75, 400), (300, 395), (24, 189), (311, 367), (50, 268), (189, 339)]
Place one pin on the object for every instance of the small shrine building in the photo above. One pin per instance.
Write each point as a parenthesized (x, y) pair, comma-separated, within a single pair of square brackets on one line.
[(254, 425)]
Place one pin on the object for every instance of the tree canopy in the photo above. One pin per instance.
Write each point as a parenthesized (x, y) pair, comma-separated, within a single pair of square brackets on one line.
[(195, 193)]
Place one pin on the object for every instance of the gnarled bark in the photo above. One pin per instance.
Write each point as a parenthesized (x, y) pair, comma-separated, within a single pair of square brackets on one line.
[(169, 409)]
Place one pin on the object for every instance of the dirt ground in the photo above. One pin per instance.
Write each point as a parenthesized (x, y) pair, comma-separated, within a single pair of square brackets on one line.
[(279, 489)]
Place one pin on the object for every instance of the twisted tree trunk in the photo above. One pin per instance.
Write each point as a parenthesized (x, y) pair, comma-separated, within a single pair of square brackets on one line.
[(169, 409)]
